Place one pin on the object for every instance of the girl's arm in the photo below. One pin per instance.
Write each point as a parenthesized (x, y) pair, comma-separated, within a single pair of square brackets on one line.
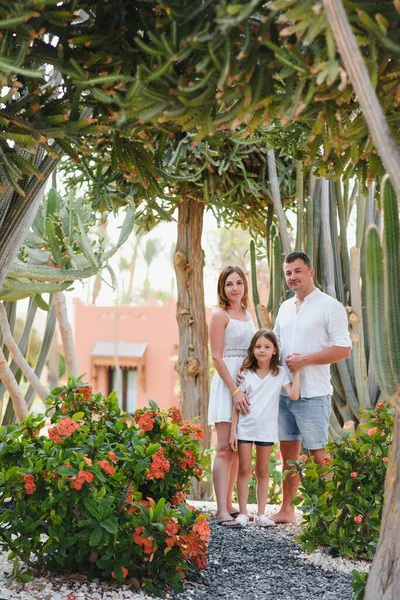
[(293, 389), (233, 437)]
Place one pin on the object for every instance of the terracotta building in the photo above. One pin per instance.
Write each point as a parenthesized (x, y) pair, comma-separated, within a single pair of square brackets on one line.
[(138, 342)]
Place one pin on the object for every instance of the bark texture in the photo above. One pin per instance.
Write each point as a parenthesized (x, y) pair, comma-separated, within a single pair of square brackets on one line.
[(192, 365), (66, 333), (384, 577), (12, 387)]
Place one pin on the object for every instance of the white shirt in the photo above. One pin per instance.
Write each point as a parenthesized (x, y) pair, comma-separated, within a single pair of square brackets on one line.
[(321, 322), (261, 424)]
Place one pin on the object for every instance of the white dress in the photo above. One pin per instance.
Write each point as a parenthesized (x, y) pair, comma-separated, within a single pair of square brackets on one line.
[(261, 424), (237, 339)]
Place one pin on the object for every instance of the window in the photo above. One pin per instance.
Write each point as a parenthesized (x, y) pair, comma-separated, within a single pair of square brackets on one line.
[(127, 387)]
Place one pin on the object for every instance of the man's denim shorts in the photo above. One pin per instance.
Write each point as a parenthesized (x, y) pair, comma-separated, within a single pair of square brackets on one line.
[(305, 419)]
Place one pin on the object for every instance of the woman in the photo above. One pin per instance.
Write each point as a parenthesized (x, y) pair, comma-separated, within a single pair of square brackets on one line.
[(231, 329)]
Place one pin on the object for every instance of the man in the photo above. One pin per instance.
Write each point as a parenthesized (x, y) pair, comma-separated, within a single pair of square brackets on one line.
[(312, 331)]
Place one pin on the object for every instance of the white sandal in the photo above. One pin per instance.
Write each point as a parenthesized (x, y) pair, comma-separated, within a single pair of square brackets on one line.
[(263, 521), (242, 520)]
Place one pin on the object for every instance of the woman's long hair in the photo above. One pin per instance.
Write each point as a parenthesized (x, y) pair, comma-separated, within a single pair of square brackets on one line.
[(223, 301), (250, 362)]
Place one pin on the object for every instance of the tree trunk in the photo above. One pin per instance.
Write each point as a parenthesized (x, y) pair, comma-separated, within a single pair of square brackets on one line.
[(7, 377), (192, 364), (18, 357), (66, 333), (384, 577)]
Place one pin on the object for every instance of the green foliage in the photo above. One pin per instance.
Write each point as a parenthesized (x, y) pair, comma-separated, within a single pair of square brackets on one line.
[(342, 502), (359, 584), (101, 494)]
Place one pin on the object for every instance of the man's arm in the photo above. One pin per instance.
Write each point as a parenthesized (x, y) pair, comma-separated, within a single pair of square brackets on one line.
[(331, 355)]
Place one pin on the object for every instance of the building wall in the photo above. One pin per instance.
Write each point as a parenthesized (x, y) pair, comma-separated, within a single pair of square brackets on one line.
[(155, 325)]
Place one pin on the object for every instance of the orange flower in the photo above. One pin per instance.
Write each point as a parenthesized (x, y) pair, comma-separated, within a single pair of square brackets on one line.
[(148, 546), (145, 420), (353, 474), (385, 459), (171, 528), (77, 481), (137, 535), (372, 431), (175, 415), (54, 435), (303, 457), (178, 498), (202, 529), (112, 456), (159, 465), (67, 426), (64, 408), (327, 459), (358, 519), (124, 573), (189, 461), (380, 405), (88, 461), (193, 429), (198, 472), (106, 466), (29, 484), (86, 391)]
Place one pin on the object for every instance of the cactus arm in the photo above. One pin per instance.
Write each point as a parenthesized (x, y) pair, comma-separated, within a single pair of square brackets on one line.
[(375, 312), (254, 288), (336, 253), (357, 332), (328, 273), (277, 285), (300, 205), (391, 245), (344, 252), (276, 198), (309, 229)]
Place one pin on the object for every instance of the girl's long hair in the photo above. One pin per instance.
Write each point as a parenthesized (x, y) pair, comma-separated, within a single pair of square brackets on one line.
[(250, 362), (223, 301)]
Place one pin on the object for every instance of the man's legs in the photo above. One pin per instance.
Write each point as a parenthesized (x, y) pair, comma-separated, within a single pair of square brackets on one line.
[(319, 456), (290, 450)]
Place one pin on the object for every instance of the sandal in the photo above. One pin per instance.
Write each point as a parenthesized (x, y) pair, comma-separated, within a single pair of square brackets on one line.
[(242, 520), (263, 521)]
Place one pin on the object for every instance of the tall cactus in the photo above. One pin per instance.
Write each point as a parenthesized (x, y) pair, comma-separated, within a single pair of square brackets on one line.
[(383, 309)]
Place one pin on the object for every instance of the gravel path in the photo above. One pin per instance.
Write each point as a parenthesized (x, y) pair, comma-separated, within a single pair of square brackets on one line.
[(244, 564)]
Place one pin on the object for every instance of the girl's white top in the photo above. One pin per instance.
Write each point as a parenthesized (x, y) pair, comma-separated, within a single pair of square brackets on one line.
[(261, 425), (237, 339)]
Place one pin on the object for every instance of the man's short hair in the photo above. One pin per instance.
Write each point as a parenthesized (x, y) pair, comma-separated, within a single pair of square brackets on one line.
[(298, 255)]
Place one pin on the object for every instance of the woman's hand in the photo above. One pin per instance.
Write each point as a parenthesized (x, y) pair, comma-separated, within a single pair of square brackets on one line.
[(242, 403), (233, 441)]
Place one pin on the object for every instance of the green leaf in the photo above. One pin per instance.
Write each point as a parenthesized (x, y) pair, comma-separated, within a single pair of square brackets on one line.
[(41, 303), (95, 536), (110, 525)]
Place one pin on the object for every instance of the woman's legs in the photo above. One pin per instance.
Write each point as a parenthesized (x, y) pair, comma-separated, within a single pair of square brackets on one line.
[(244, 451), (222, 468), (262, 474)]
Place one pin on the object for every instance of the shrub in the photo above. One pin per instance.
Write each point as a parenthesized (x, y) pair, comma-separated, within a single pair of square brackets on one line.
[(101, 494), (342, 502)]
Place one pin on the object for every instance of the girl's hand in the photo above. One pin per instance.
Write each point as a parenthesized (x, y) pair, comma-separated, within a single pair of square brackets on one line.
[(241, 403), (233, 441)]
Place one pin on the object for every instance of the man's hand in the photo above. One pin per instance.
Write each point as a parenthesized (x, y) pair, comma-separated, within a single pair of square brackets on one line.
[(295, 362), (240, 377), (242, 403), (233, 441)]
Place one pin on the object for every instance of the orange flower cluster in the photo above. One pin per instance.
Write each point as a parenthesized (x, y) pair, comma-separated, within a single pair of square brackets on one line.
[(385, 459), (145, 421), (358, 519), (189, 461), (124, 573), (380, 405), (106, 466), (77, 481), (112, 456), (29, 484), (193, 547), (88, 461), (86, 391), (159, 465), (202, 529), (193, 429), (175, 415), (178, 498), (64, 408), (171, 529), (140, 540), (353, 474), (372, 431), (65, 427)]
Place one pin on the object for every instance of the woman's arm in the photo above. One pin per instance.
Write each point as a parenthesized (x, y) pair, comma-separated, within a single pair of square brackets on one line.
[(293, 389), (233, 439), (219, 321)]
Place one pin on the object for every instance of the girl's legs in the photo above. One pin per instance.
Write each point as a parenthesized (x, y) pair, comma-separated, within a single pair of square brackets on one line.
[(262, 474), (221, 469), (232, 480), (244, 451)]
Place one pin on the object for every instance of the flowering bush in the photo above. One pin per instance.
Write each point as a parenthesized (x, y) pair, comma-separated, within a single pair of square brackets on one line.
[(103, 495), (342, 502)]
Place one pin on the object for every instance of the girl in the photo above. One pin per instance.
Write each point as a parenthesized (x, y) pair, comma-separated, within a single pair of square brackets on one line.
[(231, 329), (262, 381)]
